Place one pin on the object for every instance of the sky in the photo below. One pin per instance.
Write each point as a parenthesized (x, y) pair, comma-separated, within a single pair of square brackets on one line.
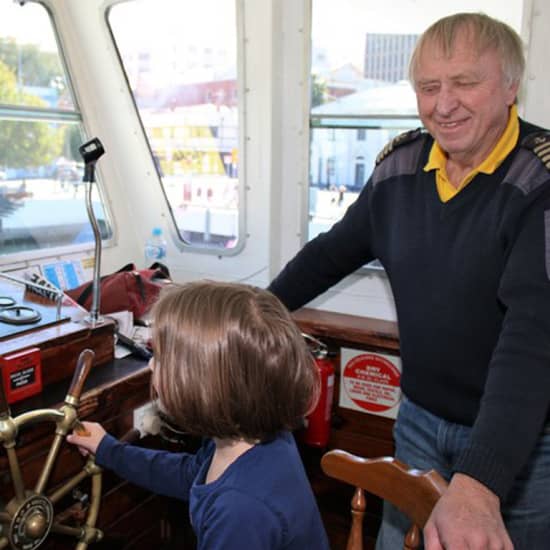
[(28, 23), (339, 26), (173, 21)]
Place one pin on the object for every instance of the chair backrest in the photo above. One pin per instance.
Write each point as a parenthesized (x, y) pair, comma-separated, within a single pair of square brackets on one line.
[(414, 492)]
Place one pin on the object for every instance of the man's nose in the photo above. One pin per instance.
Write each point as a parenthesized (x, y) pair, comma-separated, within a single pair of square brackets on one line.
[(447, 101)]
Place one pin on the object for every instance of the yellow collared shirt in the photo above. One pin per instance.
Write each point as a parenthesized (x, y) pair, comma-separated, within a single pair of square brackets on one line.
[(438, 159)]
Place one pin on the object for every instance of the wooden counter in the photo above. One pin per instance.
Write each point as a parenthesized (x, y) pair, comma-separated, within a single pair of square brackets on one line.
[(343, 329)]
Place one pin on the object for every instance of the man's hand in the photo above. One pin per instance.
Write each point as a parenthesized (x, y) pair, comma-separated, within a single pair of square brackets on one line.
[(88, 442), (466, 517)]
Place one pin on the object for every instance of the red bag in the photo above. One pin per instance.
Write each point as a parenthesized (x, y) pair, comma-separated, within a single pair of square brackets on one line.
[(127, 289)]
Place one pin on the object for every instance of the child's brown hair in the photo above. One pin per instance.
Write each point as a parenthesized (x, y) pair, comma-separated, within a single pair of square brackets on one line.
[(230, 362)]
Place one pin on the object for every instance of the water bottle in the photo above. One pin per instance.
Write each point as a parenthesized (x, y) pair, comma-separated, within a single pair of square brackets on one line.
[(155, 247)]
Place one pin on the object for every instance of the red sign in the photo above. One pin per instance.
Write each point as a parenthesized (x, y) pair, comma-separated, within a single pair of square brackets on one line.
[(22, 374), (372, 382)]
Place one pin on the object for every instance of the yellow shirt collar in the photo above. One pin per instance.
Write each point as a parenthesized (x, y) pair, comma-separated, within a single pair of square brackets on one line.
[(438, 159)]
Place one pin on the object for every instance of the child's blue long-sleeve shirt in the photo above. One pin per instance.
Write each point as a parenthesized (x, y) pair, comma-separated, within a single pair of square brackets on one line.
[(263, 500)]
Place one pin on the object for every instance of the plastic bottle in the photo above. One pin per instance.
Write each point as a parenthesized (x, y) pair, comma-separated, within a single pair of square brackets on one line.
[(155, 247)]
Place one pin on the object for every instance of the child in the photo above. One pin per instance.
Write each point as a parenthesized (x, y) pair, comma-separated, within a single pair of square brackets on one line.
[(230, 365)]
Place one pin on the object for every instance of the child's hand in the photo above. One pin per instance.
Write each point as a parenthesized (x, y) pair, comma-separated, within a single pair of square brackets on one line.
[(87, 443)]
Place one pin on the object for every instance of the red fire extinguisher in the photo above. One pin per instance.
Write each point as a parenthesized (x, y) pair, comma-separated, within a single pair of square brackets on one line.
[(317, 423)]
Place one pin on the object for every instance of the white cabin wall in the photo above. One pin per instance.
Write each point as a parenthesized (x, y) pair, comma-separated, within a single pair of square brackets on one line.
[(290, 178), (133, 191), (536, 91), (359, 294)]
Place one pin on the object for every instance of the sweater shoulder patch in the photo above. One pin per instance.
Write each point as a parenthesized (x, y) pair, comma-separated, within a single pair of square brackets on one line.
[(397, 141), (539, 144)]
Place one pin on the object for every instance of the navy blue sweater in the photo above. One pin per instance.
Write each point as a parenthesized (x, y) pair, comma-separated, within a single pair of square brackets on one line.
[(471, 284), (263, 500)]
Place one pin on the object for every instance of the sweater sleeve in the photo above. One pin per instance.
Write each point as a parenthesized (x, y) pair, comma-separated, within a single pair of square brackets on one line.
[(516, 397), (328, 258), (161, 472), (234, 517)]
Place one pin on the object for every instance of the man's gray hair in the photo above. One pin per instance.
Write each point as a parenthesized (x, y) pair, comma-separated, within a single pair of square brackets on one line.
[(484, 32)]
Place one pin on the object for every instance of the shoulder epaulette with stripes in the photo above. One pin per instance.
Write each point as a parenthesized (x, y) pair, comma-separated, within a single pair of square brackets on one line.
[(539, 143), (397, 141)]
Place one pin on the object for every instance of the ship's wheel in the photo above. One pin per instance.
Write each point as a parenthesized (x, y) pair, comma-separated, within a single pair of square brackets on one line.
[(29, 517)]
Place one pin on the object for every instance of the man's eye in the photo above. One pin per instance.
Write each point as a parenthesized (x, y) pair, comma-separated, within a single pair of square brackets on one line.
[(429, 89)]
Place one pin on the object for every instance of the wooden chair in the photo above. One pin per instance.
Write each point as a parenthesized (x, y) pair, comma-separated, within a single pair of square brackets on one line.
[(414, 492)]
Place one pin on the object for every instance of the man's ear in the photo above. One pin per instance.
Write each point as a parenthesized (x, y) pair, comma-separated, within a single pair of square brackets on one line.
[(512, 93)]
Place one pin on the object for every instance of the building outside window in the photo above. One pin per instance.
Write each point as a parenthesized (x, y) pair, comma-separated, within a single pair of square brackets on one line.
[(360, 95)]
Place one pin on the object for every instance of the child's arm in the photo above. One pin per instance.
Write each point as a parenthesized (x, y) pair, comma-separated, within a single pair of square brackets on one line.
[(160, 472)]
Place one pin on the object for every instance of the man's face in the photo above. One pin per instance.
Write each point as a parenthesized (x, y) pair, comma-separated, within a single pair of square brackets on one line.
[(463, 100)]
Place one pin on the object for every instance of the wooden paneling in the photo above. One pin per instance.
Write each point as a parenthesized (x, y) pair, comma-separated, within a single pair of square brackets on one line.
[(356, 432), (339, 328), (130, 517), (60, 346)]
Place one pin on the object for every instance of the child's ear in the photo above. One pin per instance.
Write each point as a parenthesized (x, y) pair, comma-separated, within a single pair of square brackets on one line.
[(154, 374)]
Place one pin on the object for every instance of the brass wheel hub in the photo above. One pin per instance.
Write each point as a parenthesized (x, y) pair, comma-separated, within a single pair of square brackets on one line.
[(31, 523)]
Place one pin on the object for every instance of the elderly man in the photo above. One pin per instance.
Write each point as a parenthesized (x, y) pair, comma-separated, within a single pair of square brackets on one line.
[(459, 215)]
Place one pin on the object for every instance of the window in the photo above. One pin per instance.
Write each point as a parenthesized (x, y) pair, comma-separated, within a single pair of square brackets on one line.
[(186, 96), (42, 204), (360, 96)]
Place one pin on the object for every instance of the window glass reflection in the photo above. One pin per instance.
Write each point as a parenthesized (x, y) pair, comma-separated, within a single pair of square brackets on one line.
[(180, 58), (42, 203), (360, 94)]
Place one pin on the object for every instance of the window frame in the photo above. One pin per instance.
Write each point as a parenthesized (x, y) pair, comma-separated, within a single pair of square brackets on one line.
[(179, 242), (357, 122), (18, 113)]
